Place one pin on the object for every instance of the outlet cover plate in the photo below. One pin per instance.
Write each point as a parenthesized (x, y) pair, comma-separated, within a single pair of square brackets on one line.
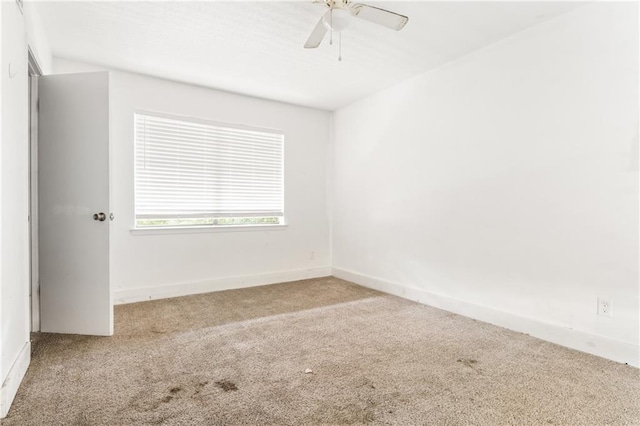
[(605, 307)]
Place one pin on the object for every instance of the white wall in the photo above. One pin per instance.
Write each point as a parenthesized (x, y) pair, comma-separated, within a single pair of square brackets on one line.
[(504, 185), (3, 409), (14, 276), (162, 265), (36, 38), (18, 32)]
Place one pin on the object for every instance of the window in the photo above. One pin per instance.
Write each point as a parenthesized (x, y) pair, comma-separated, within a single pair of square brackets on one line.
[(192, 172)]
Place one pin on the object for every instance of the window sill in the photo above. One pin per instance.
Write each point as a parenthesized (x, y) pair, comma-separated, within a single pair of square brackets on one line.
[(203, 229)]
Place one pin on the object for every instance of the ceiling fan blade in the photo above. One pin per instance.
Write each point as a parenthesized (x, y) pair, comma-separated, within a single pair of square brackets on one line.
[(379, 16), (316, 36)]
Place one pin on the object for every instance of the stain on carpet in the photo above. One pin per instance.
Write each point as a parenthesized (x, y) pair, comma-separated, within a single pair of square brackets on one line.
[(159, 393), (471, 363), (227, 385), (468, 362)]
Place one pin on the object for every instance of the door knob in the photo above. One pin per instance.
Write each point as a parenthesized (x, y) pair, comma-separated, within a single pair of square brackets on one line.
[(100, 216)]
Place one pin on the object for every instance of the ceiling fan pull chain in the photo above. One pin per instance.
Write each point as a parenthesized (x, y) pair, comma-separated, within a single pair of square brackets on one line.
[(340, 46)]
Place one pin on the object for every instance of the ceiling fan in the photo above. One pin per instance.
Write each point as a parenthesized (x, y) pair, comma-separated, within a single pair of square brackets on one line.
[(341, 12)]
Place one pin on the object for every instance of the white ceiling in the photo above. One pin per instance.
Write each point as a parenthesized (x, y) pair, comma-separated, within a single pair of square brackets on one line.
[(255, 48)]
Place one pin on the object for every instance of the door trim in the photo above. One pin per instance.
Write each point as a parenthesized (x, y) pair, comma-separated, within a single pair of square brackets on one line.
[(34, 277)]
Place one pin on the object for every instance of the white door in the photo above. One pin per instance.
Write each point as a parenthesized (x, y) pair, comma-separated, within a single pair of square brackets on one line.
[(73, 187)]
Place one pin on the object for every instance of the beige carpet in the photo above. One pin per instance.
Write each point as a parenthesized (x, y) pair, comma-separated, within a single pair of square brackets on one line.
[(239, 358)]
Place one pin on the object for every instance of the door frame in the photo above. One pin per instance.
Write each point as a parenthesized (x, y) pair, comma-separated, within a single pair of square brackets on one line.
[(34, 277)]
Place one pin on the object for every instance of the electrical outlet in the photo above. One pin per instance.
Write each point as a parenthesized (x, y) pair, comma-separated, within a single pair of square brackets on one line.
[(605, 307)]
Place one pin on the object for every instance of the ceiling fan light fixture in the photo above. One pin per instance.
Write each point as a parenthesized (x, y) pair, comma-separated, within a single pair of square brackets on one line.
[(337, 19)]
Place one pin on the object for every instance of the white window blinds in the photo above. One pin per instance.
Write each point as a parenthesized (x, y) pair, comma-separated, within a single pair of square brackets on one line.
[(187, 168)]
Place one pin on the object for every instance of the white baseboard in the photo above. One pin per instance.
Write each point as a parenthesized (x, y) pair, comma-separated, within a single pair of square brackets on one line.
[(604, 347), (14, 378), (141, 294)]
